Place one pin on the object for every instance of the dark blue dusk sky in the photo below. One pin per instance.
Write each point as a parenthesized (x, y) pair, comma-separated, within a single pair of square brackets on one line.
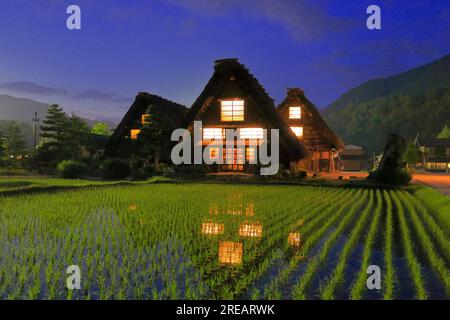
[(168, 47)]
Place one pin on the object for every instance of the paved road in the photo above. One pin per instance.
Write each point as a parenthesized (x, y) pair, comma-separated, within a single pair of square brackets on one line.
[(439, 181)]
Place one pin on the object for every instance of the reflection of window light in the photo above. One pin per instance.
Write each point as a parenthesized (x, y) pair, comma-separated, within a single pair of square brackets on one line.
[(295, 112), (294, 239), (232, 110), (135, 133), (230, 252), (250, 230), (298, 131), (146, 119), (212, 133), (212, 228), (251, 133)]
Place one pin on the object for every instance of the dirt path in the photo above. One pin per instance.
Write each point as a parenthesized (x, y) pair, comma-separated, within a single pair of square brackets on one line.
[(440, 182)]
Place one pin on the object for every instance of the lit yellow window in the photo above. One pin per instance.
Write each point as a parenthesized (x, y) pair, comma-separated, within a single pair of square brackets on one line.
[(298, 131), (251, 133), (250, 153), (134, 133), (146, 119), (295, 112), (232, 110), (212, 133)]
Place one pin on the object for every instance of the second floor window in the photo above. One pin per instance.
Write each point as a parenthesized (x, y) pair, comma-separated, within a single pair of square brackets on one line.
[(295, 112), (232, 110)]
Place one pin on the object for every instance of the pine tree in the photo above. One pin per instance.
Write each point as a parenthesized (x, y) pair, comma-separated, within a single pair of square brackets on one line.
[(55, 126), (13, 139)]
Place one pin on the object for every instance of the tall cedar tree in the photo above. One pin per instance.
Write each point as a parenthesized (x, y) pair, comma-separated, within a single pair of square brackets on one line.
[(55, 125), (14, 142), (154, 136), (64, 137)]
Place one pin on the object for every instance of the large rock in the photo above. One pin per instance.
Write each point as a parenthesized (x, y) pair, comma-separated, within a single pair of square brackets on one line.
[(392, 159)]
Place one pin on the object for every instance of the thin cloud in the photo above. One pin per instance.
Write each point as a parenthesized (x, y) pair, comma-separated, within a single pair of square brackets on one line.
[(32, 88), (98, 95), (301, 18)]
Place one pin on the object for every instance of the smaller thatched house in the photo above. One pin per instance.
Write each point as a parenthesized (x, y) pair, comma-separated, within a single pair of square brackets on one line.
[(311, 129)]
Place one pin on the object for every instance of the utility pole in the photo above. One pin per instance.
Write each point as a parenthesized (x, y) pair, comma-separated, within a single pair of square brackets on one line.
[(35, 124)]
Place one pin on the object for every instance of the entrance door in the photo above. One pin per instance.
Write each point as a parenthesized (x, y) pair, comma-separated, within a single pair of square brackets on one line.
[(238, 159)]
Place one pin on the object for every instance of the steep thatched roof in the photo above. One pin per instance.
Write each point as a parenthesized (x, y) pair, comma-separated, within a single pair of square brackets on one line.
[(296, 95), (227, 69), (176, 112)]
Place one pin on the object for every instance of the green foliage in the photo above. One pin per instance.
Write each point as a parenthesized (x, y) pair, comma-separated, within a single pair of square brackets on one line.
[(419, 80), (64, 137), (115, 169), (12, 144), (445, 133), (154, 136), (71, 169), (101, 129), (411, 155), (367, 123)]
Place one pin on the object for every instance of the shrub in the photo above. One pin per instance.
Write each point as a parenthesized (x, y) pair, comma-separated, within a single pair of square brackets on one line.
[(71, 169), (397, 177), (300, 174), (115, 169)]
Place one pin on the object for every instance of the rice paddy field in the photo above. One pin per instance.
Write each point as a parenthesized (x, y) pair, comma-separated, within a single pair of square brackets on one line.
[(221, 241)]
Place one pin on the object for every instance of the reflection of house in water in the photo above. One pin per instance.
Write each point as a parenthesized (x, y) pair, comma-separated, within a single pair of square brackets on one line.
[(234, 206), (230, 252), (212, 228), (250, 230)]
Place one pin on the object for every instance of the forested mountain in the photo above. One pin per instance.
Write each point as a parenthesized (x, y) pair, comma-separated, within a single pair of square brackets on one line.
[(416, 101)]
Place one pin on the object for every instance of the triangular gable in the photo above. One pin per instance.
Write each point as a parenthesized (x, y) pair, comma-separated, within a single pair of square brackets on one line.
[(297, 96), (228, 69), (176, 112)]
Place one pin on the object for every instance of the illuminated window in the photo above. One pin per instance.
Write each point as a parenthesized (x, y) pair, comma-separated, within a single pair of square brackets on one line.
[(135, 133), (212, 133), (298, 131), (146, 119), (295, 112), (250, 153), (232, 110), (251, 133)]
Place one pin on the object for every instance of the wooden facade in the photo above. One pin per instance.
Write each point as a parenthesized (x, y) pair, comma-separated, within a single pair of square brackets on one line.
[(311, 129), (234, 99)]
